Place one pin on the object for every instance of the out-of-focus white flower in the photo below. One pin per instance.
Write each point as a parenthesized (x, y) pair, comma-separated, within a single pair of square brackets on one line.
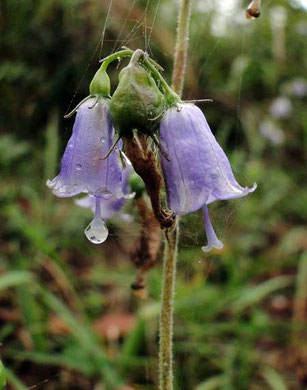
[(299, 87), (301, 28), (271, 132), (280, 107)]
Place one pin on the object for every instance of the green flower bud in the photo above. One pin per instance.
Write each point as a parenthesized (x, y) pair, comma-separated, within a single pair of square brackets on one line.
[(137, 102), (100, 85)]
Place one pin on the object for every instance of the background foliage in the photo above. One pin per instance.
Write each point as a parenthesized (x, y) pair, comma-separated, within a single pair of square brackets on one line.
[(68, 317)]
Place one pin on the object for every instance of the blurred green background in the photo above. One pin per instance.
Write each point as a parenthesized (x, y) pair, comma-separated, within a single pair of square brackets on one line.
[(68, 317)]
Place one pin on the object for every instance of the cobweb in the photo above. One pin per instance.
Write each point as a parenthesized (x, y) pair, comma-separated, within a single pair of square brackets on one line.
[(144, 26)]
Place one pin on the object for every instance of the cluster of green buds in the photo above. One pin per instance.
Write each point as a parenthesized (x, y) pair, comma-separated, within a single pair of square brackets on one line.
[(141, 96), (136, 107)]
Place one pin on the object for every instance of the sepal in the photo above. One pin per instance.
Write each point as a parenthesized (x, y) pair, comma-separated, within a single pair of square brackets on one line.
[(137, 101), (100, 85)]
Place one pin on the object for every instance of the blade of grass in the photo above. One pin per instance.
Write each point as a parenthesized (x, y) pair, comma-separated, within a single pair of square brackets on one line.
[(253, 295), (132, 345), (52, 145), (14, 278), (2, 376), (31, 311), (37, 234), (51, 159), (274, 379), (300, 314), (42, 358), (212, 384), (86, 338), (14, 381)]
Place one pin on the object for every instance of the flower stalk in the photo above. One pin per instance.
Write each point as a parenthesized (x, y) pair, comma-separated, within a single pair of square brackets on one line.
[(122, 54), (181, 49), (171, 235), (167, 303)]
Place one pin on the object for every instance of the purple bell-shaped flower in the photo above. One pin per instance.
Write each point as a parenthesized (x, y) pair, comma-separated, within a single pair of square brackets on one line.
[(198, 172), (83, 169)]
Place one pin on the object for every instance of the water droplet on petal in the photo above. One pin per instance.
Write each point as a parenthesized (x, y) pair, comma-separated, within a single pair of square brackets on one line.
[(97, 231), (78, 167), (129, 196), (70, 145), (119, 195), (102, 140), (106, 194)]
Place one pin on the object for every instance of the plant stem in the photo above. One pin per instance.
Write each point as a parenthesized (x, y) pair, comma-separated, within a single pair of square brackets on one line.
[(181, 49), (124, 53), (170, 95), (171, 235), (166, 316)]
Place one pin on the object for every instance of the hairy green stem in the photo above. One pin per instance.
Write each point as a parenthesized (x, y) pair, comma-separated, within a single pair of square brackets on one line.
[(125, 53), (171, 235), (170, 95), (166, 316), (182, 43)]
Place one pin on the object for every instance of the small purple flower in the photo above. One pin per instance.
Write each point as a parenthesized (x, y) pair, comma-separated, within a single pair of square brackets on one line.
[(84, 170), (198, 172)]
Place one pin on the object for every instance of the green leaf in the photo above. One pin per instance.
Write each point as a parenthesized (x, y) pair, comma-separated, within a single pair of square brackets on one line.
[(2, 376), (274, 379), (86, 338), (212, 384)]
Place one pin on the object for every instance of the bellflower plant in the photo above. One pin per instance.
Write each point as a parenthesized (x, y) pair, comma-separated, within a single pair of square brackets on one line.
[(198, 171), (146, 118), (143, 111)]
